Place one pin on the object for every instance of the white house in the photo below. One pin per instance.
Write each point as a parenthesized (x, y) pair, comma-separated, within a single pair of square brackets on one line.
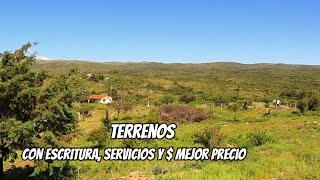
[(103, 99)]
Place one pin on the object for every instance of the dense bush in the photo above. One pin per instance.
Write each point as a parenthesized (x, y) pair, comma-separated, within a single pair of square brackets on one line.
[(167, 99), (308, 101), (181, 113), (308, 104), (187, 98), (85, 110), (313, 103), (251, 139), (159, 170), (258, 138), (130, 143), (57, 171), (302, 105), (209, 137)]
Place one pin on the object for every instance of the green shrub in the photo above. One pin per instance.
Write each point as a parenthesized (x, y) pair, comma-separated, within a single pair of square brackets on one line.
[(153, 116), (302, 105), (159, 170), (130, 143), (209, 137), (251, 139), (258, 138), (57, 171), (167, 99), (187, 98), (106, 121), (194, 165)]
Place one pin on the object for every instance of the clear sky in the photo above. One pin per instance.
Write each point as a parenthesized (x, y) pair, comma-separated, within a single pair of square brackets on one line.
[(246, 31)]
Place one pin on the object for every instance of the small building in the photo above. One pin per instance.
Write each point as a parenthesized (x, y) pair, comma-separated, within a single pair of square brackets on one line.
[(103, 99)]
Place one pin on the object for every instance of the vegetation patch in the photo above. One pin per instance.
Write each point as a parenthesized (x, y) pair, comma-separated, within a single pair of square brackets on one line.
[(209, 137), (181, 113)]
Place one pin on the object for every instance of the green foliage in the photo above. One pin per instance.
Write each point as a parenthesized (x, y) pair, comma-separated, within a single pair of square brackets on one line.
[(211, 82), (167, 99), (308, 101), (252, 139), (56, 171), (258, 138), (18, 99), (114, 93), (99, 137), (209, 137), (234, 107), (129, 143), (106, 121), (196, 84), (313, 102), (159, 170), (302, 105), (31, 103), (187, 98), (85, 110), (153, 116), (14, 135)]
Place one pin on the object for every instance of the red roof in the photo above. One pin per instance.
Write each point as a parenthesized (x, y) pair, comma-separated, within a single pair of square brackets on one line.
[(97, 97)]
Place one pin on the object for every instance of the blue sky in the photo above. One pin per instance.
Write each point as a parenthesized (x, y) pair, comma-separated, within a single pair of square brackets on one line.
[(246, 31)]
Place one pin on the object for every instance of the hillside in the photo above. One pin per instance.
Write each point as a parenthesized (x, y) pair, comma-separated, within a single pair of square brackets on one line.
[(254, 81), (282, 141)]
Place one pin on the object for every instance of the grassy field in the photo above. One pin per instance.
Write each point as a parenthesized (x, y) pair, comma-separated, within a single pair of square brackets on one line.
[(291, 140), (293, 152)]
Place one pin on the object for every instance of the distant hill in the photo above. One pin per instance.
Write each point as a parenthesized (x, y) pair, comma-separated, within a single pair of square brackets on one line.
[(219, 77), (65, 65)]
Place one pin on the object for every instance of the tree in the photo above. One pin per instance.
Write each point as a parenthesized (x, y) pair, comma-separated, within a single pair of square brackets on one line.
[(30, 103), (18, 95), (106, 121), (313, 102), (114, 94), (85, 110), (302, 105), (117, 105), (54, 107)]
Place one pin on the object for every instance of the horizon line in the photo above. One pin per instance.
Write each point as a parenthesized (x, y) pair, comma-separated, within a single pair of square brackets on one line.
[(171, 62)]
